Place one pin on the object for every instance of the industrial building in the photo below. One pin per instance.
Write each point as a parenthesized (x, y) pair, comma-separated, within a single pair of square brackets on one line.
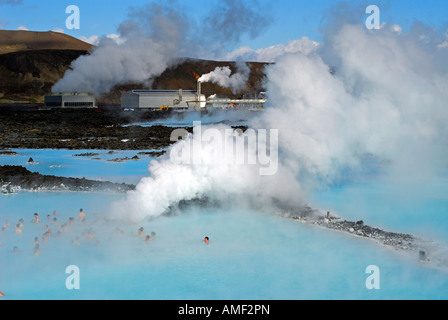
[(162, 100), (70, 100)]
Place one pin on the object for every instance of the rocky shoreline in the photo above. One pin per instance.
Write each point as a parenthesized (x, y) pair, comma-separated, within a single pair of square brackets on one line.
[(16, 178), (422, 251), (326, 220), (109, 130), (82, 130), (393, 239), (86, 129)]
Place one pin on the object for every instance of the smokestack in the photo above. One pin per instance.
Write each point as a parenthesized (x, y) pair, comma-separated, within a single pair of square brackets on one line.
[(199, 92)]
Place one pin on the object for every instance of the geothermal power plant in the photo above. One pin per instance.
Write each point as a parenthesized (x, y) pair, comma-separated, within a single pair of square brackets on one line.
[(162, 100), (155, 100)]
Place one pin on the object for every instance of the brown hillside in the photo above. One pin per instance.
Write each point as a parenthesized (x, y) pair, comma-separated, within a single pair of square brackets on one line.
[(14, 41), (29, 75), (37, 60)]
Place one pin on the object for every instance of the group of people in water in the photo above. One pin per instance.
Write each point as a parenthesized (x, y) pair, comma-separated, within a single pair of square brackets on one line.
[(64, 227), (52, 222), (147, 237)]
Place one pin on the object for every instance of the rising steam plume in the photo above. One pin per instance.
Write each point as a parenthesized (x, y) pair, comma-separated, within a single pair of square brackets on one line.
[(155, 37), (223, 76), (378, 95)]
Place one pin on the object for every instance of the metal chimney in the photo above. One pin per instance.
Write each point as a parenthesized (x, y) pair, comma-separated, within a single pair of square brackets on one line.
[(199, 90)]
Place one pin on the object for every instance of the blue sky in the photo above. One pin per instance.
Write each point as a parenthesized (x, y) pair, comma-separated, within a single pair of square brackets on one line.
[(288, 19)]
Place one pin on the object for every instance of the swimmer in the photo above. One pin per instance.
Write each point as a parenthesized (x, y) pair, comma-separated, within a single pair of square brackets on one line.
[(55, 222), (15, 249), (21, 223), (2, 294), (82, 216), (140, 231), (71, 221), (48, 217), (36, 218), (153, 235), (36, 250), (6, 225), (36, 241), (148, 238), (207, 240), (18, 229)]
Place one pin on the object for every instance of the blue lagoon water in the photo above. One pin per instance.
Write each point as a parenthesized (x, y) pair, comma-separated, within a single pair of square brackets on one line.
[(252, 255), (68, 163)]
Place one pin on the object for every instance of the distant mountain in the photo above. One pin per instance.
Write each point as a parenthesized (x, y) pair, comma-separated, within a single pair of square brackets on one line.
[(32, 62), (27, 76), (16, 41)]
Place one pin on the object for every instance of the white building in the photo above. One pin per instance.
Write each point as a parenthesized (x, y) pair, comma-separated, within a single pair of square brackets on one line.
[(162, 99), (70, 100)]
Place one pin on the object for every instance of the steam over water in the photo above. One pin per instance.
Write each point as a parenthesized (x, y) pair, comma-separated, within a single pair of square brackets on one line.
[(251, 256), (359, 128), (364, 95)]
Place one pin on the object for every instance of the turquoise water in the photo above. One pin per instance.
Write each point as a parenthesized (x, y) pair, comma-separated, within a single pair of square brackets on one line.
[(417, 208), (64, 163), (251, 255)]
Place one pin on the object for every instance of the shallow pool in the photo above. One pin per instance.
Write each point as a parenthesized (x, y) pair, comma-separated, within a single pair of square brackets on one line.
[(70, 163), (252, 255)]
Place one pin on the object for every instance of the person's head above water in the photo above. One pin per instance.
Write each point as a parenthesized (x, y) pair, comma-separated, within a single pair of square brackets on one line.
[(206, 239)]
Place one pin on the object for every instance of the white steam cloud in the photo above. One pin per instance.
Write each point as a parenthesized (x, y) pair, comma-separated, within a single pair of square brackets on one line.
[(270, 54), (385, 97), (150, 41), (223, 76), (215, 162), (379, 94), (154, 38)]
